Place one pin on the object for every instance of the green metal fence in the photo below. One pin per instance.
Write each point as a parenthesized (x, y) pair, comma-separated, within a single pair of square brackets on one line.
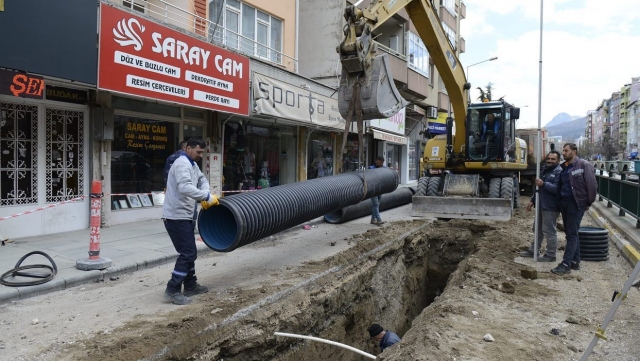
[(622, 193)]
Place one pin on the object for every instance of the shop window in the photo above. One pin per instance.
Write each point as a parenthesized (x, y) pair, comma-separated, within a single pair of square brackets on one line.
[(393, 157), (320, 155), (251, 159), (138, 155), (350, 161), (18, 154), (65, 154)]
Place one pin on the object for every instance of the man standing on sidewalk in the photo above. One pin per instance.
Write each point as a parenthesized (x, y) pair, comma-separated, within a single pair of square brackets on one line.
[(375, 201), (547, 215), (578, 189), (185, 185)]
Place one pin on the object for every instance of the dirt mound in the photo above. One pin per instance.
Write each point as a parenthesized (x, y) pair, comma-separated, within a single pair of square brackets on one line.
[(550, 318)]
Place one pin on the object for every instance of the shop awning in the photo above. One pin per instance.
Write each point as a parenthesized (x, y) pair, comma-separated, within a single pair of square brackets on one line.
[(391, 138)]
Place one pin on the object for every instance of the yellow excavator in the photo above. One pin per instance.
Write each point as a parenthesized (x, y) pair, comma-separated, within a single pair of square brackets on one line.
[(472, 171)]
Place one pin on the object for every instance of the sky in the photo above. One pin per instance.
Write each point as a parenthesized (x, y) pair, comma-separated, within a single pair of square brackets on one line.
[(590, 49)]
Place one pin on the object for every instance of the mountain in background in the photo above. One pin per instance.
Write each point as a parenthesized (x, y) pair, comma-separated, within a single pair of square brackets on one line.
[(570, 129), (561, 119)]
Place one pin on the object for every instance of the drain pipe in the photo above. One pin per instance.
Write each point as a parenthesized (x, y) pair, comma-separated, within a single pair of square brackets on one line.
[(247, 217), (333, 343)]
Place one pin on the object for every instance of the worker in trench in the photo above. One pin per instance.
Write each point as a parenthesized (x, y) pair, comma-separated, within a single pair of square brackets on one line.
[(384, 338)]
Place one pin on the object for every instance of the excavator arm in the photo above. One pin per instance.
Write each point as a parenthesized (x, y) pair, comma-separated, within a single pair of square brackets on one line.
[(367, 89)]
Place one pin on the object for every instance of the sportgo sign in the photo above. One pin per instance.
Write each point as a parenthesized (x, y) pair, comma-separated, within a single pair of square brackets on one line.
[(142, 58)]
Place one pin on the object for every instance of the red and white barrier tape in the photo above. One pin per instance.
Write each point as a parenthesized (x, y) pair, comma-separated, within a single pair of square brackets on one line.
[(82, 197), (41, 208)]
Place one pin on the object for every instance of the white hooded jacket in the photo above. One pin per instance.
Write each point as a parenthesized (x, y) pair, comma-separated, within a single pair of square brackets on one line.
[(185, 185)]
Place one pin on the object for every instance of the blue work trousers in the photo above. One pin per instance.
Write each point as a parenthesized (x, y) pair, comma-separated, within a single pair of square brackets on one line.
[(571, 218), (183, 239)]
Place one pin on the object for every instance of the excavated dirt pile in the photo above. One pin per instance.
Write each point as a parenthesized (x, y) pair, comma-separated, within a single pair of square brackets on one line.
[(442, 286)]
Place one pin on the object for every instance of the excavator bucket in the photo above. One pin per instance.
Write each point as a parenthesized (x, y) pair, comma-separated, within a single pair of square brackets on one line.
[(379, 97), (460, 199), (497, 209)]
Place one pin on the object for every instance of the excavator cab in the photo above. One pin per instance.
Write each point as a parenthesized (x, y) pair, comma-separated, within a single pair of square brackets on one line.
[(491, 132)]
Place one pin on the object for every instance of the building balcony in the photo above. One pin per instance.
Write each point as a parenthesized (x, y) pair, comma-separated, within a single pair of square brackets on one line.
[(412, 84), (195, 22)]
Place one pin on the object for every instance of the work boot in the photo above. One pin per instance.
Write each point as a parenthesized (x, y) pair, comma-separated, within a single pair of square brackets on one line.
[(546, 258), (575, 266), (177, 298), (526, 253), (197, 289), (562, 269)]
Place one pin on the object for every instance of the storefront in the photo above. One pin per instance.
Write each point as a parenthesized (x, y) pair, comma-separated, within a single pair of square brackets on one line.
[(306, 123), (45, 74), (257, 154), (152, 96), (391, 143), (145, 134), (416, 130), (43, 158)]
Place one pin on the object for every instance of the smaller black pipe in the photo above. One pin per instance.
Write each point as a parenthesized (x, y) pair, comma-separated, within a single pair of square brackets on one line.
[(399, 197)]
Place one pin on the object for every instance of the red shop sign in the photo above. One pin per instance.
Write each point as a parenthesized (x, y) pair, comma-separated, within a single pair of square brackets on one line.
[(142, 58), (21, 85)]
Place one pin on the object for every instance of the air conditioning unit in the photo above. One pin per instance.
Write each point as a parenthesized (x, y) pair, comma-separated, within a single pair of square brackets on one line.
[(432, 112)]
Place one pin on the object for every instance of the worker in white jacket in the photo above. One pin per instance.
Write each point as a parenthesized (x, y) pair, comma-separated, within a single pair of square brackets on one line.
[(185, 185)]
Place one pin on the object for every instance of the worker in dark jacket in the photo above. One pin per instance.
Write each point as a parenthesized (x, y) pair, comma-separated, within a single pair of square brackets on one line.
[(577, 190), (549, 208), (385, 338)]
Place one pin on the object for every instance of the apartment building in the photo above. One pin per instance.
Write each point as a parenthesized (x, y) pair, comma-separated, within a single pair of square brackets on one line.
[(614, 116), (399, 140), (255, 79), (624, 119), (602, 122), (633, 114), (590, 125)]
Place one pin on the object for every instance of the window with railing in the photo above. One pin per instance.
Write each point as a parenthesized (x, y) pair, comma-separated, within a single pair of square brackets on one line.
[(418, 55), (246, 29), (451, 34), (137, 5), (450, 5)]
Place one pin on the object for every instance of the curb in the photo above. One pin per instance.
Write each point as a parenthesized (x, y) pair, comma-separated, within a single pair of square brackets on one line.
[(624, 247)]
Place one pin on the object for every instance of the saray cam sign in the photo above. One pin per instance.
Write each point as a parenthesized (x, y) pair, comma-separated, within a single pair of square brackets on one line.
[(142, 58)]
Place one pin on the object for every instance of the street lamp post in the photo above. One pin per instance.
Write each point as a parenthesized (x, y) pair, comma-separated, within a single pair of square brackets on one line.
[(469, 66)]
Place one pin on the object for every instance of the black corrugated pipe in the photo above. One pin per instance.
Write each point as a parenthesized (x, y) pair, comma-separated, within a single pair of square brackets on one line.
[(245, 218), (399, 197)]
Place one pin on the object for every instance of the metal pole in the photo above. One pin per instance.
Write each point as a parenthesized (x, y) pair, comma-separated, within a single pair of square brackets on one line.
[(539, 145)]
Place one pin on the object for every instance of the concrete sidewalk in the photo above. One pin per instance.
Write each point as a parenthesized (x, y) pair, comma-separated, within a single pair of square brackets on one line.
[(130, 247), (623, 232)]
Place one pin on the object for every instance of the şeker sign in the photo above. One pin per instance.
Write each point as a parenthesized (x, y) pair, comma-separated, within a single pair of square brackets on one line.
[(142, 58)]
